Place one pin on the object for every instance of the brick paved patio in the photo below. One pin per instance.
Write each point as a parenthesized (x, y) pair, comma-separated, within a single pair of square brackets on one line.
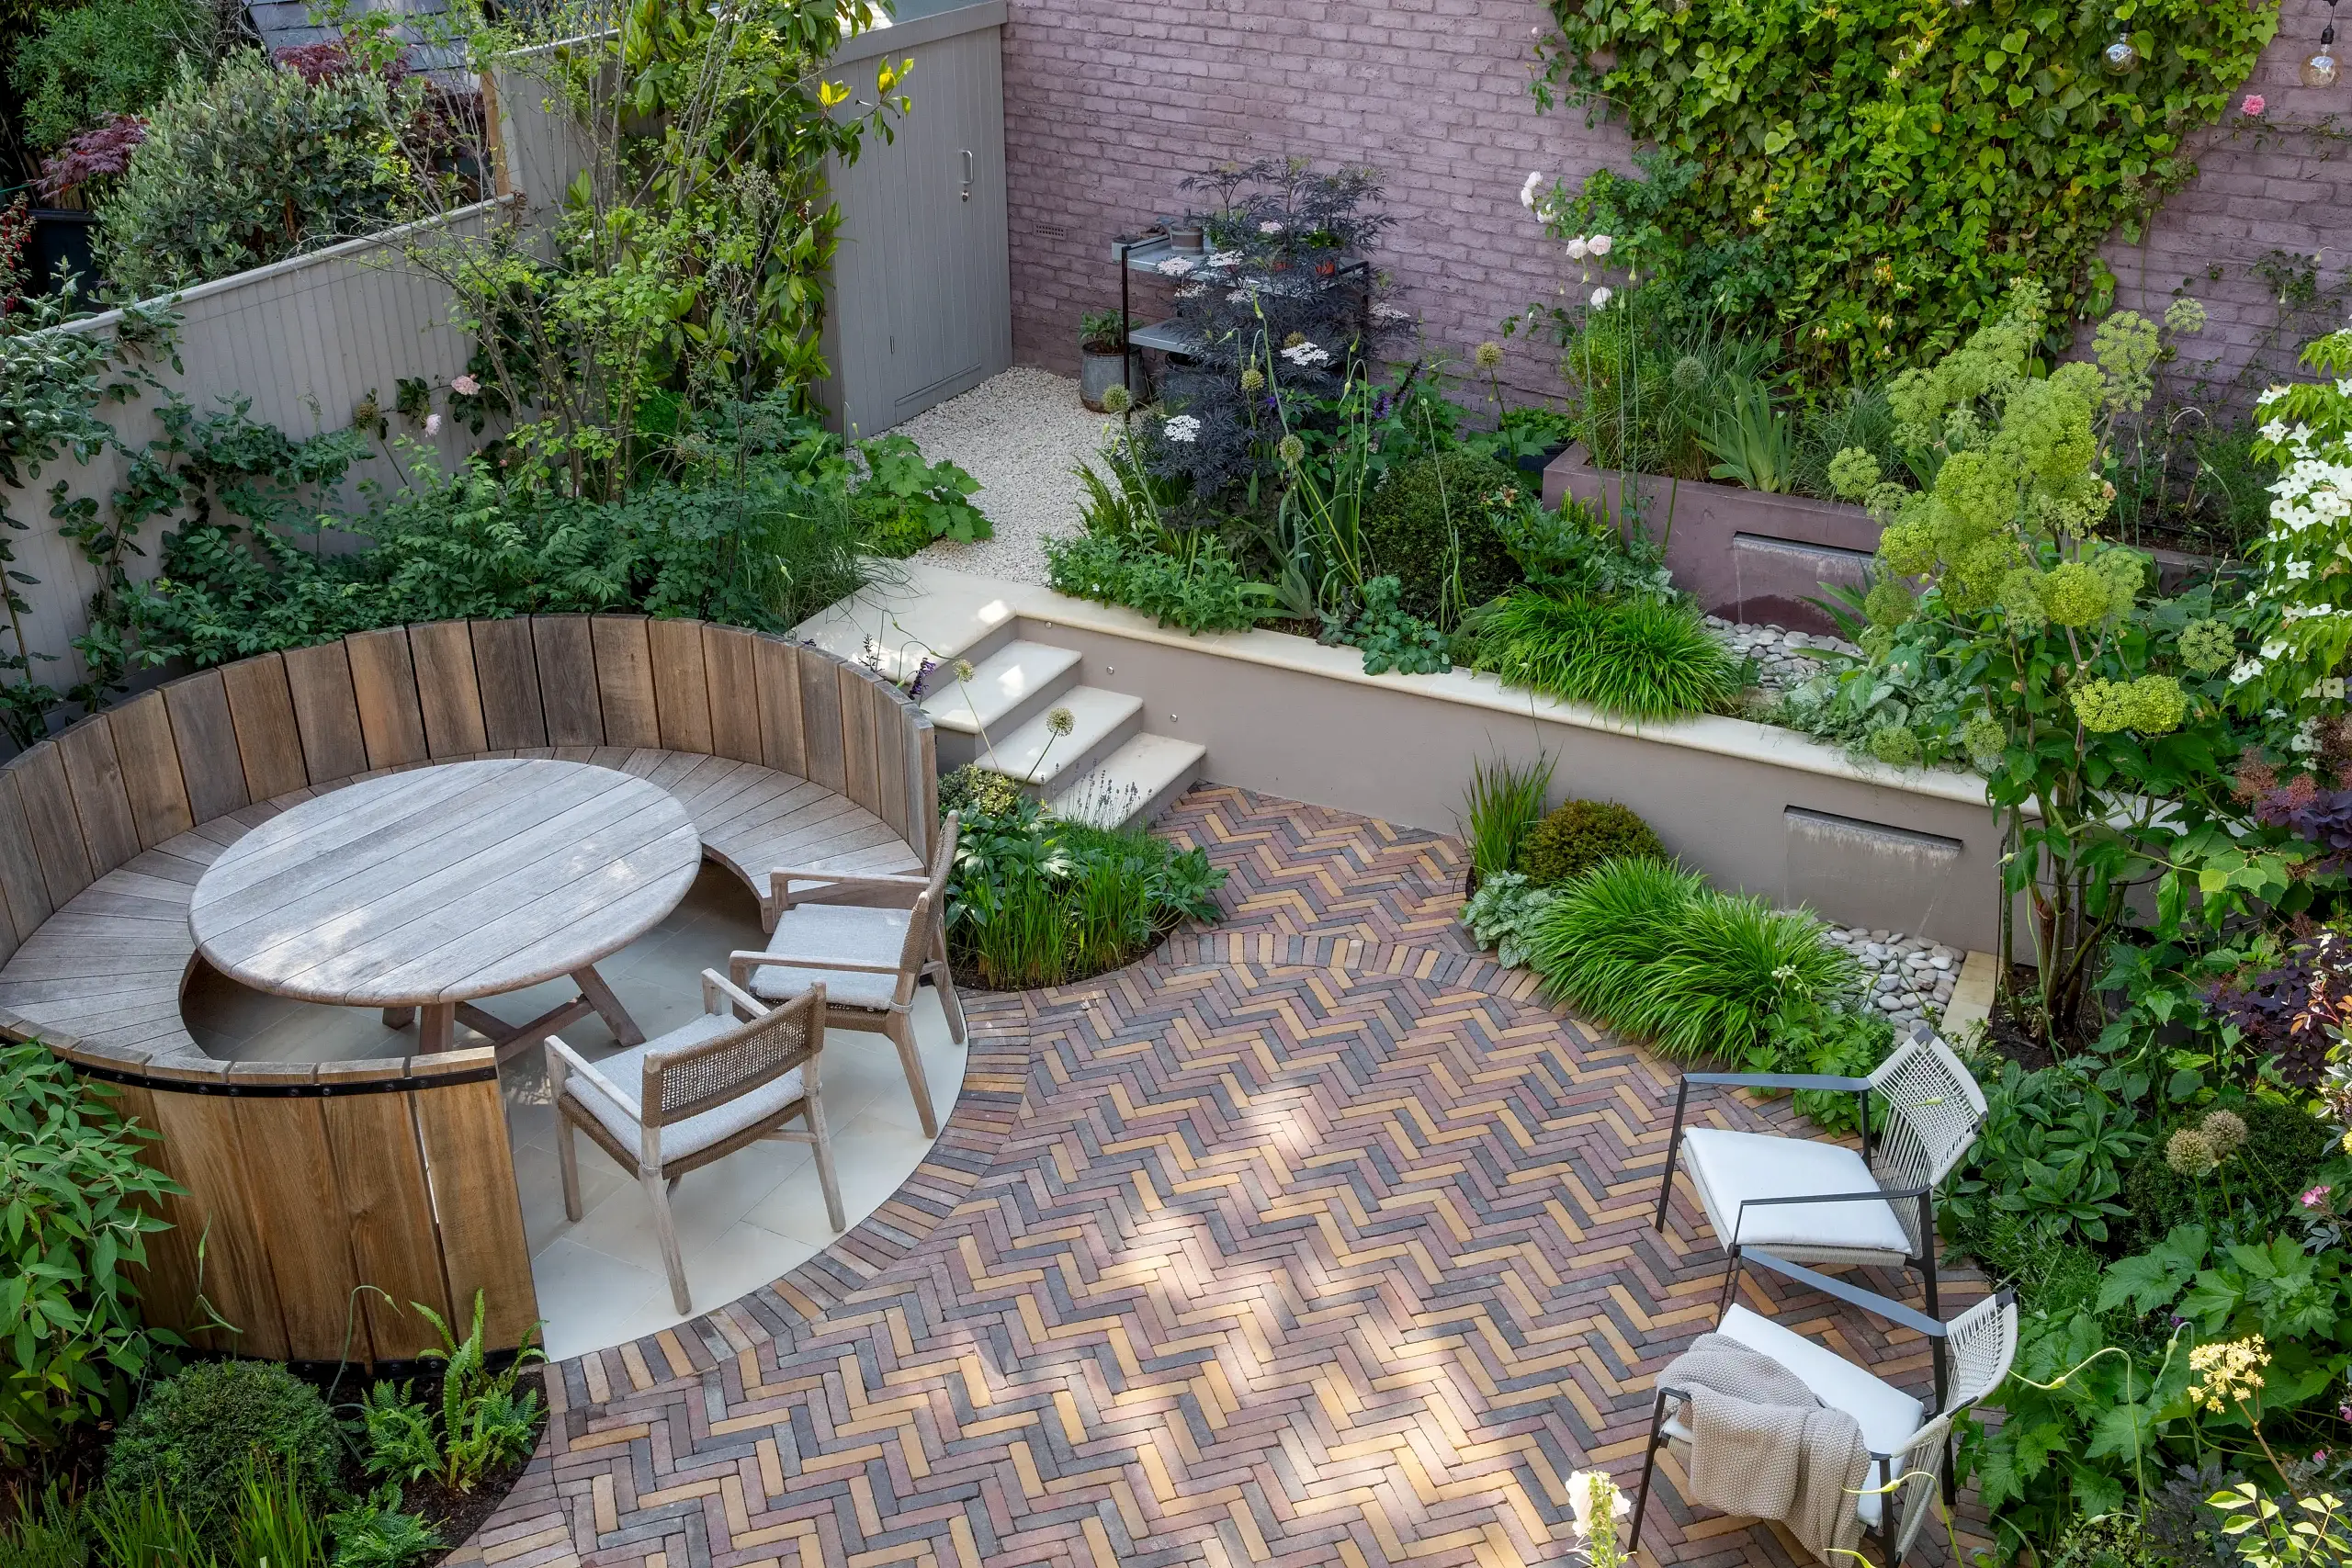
[(1314, 1240)]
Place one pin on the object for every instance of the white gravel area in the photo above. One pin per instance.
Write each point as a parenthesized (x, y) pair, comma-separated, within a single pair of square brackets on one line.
[(1021, 434)]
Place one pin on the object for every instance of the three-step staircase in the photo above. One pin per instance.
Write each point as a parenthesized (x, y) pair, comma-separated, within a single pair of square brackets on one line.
[(1104, 768)]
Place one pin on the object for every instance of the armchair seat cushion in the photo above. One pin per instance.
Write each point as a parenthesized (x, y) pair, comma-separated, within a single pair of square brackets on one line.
[(847, 932), (1887, 1416), (679, 1139), (1728, 1168)]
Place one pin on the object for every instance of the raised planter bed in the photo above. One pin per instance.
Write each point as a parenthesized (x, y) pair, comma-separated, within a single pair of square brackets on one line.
[(1745, 555)]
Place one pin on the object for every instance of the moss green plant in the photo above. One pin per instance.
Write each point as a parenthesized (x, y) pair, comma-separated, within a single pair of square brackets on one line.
[(1582, 834)]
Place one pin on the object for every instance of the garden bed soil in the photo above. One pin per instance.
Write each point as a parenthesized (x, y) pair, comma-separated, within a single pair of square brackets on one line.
[(2007, 1038), (453, 1515)]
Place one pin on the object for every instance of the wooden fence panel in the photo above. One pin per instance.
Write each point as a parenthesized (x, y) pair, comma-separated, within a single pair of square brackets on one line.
[(858, 736), (820, 718), (24, 889), (210, 1157), (291, 1185), (387, 1202)]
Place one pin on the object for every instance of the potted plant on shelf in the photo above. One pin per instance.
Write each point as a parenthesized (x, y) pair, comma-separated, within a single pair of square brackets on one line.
[(1101, 366)]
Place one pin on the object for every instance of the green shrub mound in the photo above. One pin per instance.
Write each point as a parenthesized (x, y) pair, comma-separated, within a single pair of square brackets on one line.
[(1582, 834), (1640, 658), (193, 1432), (1425, 511), (2283, 1151), (1647, 948)]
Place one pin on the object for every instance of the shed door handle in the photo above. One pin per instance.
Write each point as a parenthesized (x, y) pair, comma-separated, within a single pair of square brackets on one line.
[(967, 175)]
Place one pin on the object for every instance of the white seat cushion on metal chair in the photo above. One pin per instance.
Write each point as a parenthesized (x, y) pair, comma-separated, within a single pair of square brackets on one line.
[(627, 1071), (1732, 1166), (1887, 1416), (835, 931)]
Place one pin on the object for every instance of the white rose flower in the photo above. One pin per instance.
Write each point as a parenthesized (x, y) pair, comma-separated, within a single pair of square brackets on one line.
[(1528, 192), (1599, 244), (1601, 296), (1578, 250)]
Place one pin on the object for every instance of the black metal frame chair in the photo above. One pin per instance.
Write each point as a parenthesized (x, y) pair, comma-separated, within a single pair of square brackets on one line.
[(1933, 1111), (1972, 1354)]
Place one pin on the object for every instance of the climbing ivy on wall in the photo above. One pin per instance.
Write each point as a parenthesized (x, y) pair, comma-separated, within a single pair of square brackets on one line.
[(1864, 176)]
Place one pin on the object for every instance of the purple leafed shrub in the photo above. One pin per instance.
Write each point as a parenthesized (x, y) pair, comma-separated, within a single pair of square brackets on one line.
[(2288, 1011), (97, 153)]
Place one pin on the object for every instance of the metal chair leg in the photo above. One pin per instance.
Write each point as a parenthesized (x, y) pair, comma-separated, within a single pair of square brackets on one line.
[(1649, 1466), (1673, 1148)]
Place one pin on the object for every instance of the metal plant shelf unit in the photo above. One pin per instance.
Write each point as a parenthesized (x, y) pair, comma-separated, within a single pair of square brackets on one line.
[(1143, 254)]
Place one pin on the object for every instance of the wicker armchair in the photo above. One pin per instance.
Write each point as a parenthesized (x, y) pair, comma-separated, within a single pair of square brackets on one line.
[(1909, 1439), (734, 1076)]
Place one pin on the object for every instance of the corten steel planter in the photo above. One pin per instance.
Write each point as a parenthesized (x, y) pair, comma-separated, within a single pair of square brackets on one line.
[(1743, 554), (1760, 558)]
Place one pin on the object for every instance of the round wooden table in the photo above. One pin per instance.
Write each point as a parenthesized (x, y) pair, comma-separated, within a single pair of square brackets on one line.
[(426, 889)]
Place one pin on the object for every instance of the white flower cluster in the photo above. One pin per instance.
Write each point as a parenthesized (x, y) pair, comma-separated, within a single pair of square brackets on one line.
[(1532, 192), (2304, 557), (1389, 315), (1306, 356), (1222, 259), (1177, 266), (1590, 247), (1183, 429), (1269, 227)]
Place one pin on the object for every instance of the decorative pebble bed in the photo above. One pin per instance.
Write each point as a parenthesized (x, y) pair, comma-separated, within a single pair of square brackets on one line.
[(1913, 976), (1784, 658)]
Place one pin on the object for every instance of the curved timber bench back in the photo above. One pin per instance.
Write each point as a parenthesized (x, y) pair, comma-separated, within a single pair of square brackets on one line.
[(304, 1180)]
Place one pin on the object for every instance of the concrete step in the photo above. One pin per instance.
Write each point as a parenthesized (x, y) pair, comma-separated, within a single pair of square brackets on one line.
[(916, 612), (1007, 689), (1133, 783), (1100, 722)]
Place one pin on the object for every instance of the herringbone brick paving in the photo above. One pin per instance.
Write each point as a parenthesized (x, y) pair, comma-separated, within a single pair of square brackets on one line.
[(1313, 1239)]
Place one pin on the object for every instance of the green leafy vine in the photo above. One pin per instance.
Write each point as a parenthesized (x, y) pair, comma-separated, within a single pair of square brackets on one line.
[(1876, 171)]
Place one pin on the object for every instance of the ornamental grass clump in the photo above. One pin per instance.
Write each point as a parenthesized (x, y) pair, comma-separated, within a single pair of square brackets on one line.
[(1647, 948), (1638, 659)]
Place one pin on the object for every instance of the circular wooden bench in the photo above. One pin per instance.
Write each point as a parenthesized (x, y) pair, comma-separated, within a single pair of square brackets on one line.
[(306, 1180)]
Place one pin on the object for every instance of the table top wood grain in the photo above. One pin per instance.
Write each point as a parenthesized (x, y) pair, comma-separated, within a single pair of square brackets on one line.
[(444, 884)]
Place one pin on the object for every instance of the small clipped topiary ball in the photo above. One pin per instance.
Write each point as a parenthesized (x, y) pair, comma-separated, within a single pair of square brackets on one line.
[(1426, 510), (192, 1433), (1579, 836)]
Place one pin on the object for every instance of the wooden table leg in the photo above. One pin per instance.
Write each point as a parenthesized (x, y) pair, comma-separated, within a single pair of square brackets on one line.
[(608, 1006), (436, 1023), (511, 1040), (399, 1018)]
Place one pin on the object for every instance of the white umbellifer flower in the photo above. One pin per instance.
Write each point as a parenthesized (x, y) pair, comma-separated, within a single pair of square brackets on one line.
[(1599, 244), (1221, 258), (1527, 192), (1384, 312), (1184, 428), (1269, 227), (1578, 249), (1176, 267), (1192, 291), (1601, 296), (1306, 356)]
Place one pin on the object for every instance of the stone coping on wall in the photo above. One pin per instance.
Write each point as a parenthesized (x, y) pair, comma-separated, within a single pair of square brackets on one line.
[(932, 613)]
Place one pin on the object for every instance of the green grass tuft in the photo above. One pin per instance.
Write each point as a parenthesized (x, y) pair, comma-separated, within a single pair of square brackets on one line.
[(1640, 658), (1504, 803)]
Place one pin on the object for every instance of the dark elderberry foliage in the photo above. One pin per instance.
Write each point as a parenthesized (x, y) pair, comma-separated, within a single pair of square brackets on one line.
[(2286, 1011), (1281, 310)]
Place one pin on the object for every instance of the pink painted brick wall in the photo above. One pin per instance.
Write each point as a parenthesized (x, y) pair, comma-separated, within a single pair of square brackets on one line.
[(1109, 102)]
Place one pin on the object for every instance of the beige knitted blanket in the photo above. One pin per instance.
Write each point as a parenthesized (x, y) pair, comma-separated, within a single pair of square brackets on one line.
[(1763, 1447)]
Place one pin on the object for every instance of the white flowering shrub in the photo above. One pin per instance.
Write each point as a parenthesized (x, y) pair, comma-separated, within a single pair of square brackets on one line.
[(2306, 559)]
